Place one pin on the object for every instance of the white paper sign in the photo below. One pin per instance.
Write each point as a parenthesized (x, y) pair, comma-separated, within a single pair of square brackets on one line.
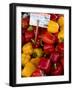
[(41, 17)]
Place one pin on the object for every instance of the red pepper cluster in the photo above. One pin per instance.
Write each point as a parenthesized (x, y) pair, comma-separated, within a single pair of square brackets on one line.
[(52, 61)]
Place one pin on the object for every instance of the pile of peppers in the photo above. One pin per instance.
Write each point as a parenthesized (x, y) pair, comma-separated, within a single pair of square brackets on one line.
[(45, 56)]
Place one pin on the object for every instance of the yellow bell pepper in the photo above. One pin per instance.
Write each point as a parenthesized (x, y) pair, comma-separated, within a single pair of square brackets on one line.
[(28, 70), (37, 52), (62, 28), (27, 48), (61, 21), (35, 61), (25, 58), (53, 27), (61, 36)]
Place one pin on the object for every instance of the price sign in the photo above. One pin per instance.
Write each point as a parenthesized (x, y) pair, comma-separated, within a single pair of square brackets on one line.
[(42, 18)]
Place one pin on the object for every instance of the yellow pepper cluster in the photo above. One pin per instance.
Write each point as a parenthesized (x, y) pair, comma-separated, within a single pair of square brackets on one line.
[(29, 64), (61, 33), (57, 27)]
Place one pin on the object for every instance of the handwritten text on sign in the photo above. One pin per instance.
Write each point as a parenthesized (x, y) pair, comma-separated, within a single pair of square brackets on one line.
[(42, 18)]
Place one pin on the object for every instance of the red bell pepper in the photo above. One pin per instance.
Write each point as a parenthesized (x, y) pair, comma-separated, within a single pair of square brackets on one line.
[(45, 65), (48, 48), (25, 22), (53, 17), (48, 38), (37, 72), (55, 57), (60, 47), (57, 70), (37, 44), (28, 35)]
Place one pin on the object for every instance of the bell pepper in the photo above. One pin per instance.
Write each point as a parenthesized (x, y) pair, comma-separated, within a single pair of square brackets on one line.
[(25, 58), (48, 38), (37, 73), (35, 61), (53, 27), (45, 65), (61, 36), (54, 57), (38, 42), (35, 44), (57, 69), (28, 70), (53, 17), (60, 47), (37, 52), (61, 21), (25, 22), (48, 48), (28, 35), (62, 28), (27, 48)]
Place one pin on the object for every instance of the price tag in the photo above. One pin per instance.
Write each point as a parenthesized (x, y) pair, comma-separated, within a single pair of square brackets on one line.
[(41, 17)]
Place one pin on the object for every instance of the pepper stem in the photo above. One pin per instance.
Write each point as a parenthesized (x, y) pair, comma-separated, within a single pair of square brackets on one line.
[(55, 65)]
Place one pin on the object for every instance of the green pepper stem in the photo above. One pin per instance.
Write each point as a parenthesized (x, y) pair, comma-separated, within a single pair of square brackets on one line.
[(55, 65)]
